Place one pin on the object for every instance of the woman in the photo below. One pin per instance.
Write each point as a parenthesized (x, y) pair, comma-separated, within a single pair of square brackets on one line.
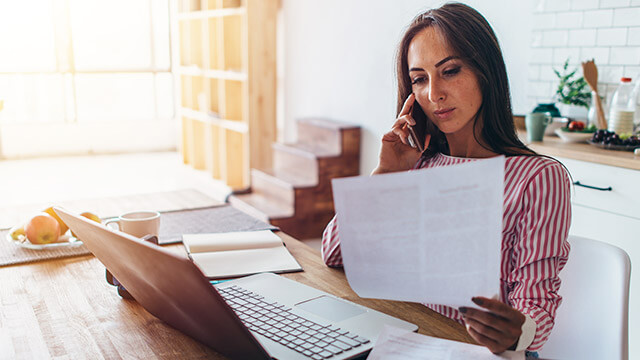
[(453, 90)]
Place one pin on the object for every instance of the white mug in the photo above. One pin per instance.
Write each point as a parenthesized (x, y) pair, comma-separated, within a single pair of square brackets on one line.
[(138, 223)]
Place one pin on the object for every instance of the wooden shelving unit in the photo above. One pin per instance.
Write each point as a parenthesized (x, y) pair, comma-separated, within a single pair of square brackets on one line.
[(227, 81)]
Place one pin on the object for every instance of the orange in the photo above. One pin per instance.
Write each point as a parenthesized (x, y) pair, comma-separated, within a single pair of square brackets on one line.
[(63, 226), (90, 216)]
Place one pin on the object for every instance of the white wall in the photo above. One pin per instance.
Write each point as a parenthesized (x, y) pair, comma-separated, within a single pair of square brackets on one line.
[(337, 59), (606, 30)]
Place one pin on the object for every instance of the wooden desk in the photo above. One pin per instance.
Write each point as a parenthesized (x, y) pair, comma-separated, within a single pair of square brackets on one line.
[(65, 308)]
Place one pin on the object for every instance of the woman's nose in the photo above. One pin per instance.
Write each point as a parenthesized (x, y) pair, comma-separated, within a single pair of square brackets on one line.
[(436, 92)]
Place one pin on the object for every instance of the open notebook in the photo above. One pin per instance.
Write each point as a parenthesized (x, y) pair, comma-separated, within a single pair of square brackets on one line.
[(226, 255)]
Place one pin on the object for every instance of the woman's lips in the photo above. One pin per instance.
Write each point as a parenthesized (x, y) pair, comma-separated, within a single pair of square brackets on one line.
[(444, 113)]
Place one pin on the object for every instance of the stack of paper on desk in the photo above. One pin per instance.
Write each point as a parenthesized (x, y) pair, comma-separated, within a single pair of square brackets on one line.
[(398, 344), (431, 236), (225, 255)]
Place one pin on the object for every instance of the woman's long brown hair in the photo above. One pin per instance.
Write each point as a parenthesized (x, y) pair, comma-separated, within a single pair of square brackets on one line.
[(470, 37)]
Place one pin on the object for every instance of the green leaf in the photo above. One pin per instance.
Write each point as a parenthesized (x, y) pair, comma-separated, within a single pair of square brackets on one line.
[(572, 90)]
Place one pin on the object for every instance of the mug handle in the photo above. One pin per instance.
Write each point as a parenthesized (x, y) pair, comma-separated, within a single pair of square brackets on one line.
[(548, 119), (112, 221)]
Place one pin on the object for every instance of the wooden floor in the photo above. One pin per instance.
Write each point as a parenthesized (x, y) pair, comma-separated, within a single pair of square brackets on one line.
[(51, 180)]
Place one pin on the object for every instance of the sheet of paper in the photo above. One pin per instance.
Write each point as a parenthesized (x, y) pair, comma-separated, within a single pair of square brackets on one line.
[(430, 235), (239, 240), (398, 344)]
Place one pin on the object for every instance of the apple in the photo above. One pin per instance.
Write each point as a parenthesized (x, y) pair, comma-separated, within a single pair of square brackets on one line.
[(42, 229), (576, 126), (63, 226)]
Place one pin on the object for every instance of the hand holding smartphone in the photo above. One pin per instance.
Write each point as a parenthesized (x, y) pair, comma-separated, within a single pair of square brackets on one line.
[(406, 133), (417, 131)]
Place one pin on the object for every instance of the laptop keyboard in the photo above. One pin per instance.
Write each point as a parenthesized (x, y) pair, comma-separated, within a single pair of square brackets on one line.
[(276, 322)]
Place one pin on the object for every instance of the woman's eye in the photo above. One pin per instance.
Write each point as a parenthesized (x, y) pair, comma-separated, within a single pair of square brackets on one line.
[(418, 80), (452, 71)]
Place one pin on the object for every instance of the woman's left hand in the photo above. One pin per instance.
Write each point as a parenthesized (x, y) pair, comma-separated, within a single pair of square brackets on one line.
[(498, 329)]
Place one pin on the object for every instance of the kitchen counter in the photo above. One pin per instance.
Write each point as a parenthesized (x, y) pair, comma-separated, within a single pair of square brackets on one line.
[(555, 147)]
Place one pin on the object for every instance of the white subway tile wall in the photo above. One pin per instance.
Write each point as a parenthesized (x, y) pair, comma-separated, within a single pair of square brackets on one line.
[(626, 17), (584, 4), (536, 39), (607, 31), (612, 37), (625, 55), (540, 88), (631, 71), (546, 21), (557, 5), (582, 37), (633, 37), (533, 72), (599, 54), (613, 3), (598, 18), (542, 56), (610, 74), (555, 38), (569, 20), (561, 54), (547, 74)]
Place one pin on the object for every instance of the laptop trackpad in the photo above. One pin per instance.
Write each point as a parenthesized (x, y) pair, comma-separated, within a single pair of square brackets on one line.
[(330, 308)]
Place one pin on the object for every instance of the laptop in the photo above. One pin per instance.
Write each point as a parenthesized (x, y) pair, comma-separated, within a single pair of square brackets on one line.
[(263, 316)]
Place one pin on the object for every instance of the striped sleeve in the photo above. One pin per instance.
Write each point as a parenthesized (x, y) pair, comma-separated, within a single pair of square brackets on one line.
[(541, 250), (330, 249)]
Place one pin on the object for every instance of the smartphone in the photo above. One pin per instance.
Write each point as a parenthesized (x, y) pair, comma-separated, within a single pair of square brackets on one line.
[(413, 139), (417, 132)]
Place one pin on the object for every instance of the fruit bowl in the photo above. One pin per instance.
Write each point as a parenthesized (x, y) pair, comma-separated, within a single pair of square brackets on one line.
[(611, 141), (573, 136), (66, 240), (556, 123)]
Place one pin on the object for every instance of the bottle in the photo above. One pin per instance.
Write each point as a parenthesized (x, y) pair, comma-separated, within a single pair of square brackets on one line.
[(636, 96), (592, 115), (622, 109)]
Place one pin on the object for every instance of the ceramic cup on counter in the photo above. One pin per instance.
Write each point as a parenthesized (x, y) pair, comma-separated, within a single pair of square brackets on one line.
[(138, 223), (535, 124)]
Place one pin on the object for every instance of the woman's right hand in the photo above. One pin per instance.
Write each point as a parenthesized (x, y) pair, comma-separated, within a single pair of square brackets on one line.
[(396, 154)]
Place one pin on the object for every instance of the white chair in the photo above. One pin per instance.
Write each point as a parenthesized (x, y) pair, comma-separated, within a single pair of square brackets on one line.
[(592, 321)]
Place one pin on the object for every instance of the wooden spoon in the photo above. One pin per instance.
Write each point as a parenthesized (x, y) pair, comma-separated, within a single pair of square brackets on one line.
[(590, 72)]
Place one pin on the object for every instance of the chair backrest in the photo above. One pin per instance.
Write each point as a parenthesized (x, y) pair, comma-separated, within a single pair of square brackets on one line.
[(592, 321)]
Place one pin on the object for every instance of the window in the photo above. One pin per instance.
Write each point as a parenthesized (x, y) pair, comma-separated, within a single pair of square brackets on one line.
[(85, 75)]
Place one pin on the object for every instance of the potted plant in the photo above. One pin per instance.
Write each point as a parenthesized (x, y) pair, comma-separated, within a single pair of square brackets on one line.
[(572, 93)]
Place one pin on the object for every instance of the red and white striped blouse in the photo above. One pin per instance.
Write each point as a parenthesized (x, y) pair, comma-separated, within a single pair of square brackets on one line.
[(536, 220)]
